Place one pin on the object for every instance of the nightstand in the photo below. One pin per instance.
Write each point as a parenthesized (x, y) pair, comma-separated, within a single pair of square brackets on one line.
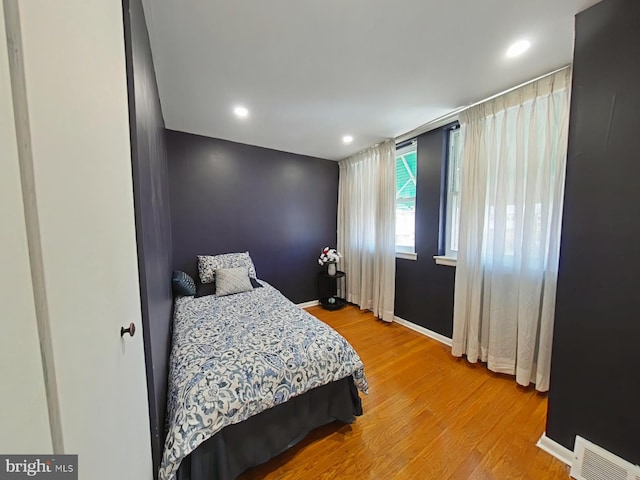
[(332, 289)]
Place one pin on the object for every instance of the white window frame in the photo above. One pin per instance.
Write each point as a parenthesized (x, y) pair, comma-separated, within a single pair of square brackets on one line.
[(403, 251), (452, 221)]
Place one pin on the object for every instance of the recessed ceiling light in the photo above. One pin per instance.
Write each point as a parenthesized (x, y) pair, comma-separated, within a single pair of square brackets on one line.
[(518, 48), (241, 111), (347, 139)]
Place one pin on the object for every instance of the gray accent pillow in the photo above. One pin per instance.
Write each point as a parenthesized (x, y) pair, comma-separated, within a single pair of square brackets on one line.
[(208, 264), (232, 280)]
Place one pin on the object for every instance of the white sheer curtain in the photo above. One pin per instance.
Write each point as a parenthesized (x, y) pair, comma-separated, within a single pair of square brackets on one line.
[(513, 172), (366, 228)]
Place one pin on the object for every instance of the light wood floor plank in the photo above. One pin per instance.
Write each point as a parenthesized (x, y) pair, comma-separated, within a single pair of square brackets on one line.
[(429, 415)]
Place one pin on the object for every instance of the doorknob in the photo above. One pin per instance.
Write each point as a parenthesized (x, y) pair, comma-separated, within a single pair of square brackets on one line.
[(131, 330)]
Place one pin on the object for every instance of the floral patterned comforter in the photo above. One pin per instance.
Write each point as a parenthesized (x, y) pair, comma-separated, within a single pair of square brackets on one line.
[(236, 356)]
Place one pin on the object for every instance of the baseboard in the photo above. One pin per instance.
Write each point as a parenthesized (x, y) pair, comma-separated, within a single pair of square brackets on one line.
[(312, 303), (424, 331), (553, 448)]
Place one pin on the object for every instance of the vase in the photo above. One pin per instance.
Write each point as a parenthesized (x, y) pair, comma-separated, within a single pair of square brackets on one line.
[(332, 269)]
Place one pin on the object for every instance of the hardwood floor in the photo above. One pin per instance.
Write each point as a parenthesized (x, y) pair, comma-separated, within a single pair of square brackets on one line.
[(428, 415)]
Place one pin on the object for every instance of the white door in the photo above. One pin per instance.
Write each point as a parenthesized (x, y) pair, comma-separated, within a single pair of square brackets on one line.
[(23, 402), (75, 94)]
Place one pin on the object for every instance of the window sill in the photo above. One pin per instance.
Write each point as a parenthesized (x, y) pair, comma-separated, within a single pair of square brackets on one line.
[(407, 256), (448, 261)]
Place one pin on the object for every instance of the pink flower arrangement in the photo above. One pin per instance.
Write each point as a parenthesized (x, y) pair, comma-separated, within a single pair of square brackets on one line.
[(329, 255)]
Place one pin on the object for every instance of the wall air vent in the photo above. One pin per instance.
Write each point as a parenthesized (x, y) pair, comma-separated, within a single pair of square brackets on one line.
[(591, 462)]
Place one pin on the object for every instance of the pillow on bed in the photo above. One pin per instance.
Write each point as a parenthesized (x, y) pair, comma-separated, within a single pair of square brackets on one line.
[(206, 289), (183, 284), (232, 280), (208, 264)]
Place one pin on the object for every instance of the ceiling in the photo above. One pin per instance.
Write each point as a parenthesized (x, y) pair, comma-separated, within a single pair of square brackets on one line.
[(311, 72)]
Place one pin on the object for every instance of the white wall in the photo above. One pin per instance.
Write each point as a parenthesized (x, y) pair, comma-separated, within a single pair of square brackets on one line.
[(24, 420)]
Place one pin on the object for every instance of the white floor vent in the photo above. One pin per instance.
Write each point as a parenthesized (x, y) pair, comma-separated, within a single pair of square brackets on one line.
[(591, 462)]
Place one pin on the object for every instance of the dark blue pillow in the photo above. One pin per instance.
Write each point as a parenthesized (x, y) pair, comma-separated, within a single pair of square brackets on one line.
[(183, 284), (205, 289)]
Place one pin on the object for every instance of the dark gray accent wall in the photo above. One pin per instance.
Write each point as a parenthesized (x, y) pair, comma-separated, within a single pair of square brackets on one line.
[(231, 197), (595, 387), (153, 220), (424, 290)]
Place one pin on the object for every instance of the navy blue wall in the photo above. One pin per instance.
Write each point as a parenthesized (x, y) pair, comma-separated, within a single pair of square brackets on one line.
[(231, 197), (424, 290), (153, 220), (595, 388)]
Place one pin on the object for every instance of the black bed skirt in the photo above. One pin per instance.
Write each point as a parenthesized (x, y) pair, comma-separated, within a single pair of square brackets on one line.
[(258, 439)]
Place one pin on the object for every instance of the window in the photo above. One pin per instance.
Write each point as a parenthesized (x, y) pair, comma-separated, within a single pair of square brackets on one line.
[(502, 222), (452, 221), (512, 237), (406, 166)]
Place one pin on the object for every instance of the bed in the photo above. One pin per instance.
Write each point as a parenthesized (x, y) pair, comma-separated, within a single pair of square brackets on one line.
[(250, 375)]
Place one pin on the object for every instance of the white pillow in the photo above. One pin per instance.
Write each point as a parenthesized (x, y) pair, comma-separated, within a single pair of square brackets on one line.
[(232, 280)]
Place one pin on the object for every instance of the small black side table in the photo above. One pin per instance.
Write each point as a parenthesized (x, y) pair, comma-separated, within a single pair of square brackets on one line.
[(329, 295)]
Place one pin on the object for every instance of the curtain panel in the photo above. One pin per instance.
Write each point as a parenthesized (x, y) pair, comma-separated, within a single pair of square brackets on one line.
[(366, 228), (513, 172)]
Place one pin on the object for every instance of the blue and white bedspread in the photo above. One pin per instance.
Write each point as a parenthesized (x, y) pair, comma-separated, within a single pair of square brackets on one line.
[(236, 356)]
